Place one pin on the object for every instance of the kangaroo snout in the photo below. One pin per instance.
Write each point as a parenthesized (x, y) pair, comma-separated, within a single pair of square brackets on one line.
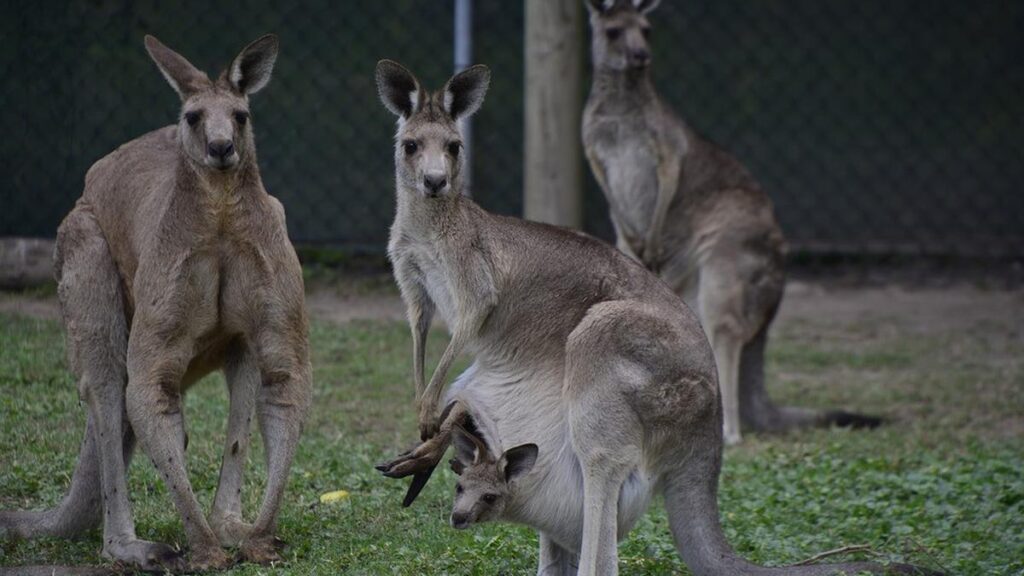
[(434, 183), (222, 151), (460, 520), (640, 57)]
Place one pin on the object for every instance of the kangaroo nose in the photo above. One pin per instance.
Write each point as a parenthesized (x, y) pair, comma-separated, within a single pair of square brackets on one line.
[(435, 182), (220, 149), (460, 520), (641, 56)]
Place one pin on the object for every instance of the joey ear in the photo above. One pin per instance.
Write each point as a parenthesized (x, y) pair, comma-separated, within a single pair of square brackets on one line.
[(470, 449), (516, 462), (399, 90), (645, 6), (250, 71), (179, 72), (464, 92), (457, 467)]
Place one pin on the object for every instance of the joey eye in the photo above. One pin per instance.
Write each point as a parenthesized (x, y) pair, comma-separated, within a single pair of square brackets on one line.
[(646, 31), (192, 117), (458, 488), (613, 33), (241, 117), (489, 498), (453, 149), (410, 147)]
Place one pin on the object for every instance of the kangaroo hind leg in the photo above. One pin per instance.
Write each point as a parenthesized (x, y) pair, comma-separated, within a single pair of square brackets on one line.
[(92, 304), (606, 432)]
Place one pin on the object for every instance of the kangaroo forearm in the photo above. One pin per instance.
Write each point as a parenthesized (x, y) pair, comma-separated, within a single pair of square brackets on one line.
[(419, 342), (668, 181), (433, 391), (420, 312)]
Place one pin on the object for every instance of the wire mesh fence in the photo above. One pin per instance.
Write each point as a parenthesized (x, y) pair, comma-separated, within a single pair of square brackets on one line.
[(875, 126)]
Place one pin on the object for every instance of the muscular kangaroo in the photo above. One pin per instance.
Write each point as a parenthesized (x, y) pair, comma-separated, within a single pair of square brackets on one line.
[(692, 213), (592, 383), (176, 262)]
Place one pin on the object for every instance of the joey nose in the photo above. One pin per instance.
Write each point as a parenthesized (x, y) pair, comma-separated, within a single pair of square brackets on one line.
[(220, 149), (460, 520), (434, 183), (641, 56)]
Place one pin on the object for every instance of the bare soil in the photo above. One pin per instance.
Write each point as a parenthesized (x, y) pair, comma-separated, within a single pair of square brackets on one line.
[(931, 311)]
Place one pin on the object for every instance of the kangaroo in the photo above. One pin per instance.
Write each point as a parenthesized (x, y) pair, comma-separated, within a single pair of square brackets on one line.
[(692, 213), (577, 349), (176, 262)]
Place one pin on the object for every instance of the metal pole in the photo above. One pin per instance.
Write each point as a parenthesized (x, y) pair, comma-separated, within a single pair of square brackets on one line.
[(463, 59)]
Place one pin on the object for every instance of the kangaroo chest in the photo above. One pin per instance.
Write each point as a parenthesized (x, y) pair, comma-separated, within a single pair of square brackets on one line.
[(626, 153), (432, 274), (207, 294)]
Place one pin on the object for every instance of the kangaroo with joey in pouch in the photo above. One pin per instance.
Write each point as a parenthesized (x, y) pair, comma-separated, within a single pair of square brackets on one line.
[(592, 384), (690, 212), (174, 263)]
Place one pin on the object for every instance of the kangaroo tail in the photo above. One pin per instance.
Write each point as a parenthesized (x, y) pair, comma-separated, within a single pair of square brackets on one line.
[(80, 509), (691, 500)]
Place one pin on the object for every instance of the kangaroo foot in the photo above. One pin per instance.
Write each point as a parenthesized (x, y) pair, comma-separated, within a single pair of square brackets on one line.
[(148, 556), (209, 559), (844, 419), (262, 549), (230, 530)]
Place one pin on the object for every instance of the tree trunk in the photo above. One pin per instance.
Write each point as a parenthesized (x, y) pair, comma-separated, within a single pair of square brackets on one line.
[(553, 178)]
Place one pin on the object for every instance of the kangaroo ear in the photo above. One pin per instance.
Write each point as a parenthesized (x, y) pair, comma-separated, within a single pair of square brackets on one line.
[(250, 70), (470, 449), (516, 462), (464, 92), (179, 72), (399, 90), (645, 6), (599, 6)]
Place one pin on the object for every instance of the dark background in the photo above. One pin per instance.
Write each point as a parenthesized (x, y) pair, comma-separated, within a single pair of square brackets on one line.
[(877, 126)]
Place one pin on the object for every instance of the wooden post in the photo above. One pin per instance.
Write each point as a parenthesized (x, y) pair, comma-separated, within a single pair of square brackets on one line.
[(553, 155)]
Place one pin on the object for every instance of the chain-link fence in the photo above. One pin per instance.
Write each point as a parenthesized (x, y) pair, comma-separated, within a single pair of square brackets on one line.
[(876, 126)]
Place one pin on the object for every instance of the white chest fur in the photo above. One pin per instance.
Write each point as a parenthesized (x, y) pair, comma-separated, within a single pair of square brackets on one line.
[(436, 283)]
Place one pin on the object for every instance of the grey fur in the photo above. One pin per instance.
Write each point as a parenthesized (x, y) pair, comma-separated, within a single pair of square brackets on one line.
[(577, 350), (174, 264), (691, 212)]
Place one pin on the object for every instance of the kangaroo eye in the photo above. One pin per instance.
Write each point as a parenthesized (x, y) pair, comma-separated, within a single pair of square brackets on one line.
[(613, 33), (453, 149), (192, 117), (410, 147), (489, 498), (646, 31), (241, 118), (458, 488)]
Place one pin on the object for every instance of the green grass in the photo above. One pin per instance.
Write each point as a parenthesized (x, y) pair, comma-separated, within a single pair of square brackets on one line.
[(941, 485)]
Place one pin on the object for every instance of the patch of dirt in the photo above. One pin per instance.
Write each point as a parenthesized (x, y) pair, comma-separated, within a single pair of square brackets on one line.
[(46, 308), (914, 311), (808, 305), (327, 304)]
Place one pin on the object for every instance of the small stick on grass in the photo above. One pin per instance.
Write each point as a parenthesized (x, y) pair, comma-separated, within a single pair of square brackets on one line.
[(835, 552)]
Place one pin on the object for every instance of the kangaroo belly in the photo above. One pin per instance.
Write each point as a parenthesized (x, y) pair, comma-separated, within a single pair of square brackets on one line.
[(634, 498), (554, 505), (513, 407)]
